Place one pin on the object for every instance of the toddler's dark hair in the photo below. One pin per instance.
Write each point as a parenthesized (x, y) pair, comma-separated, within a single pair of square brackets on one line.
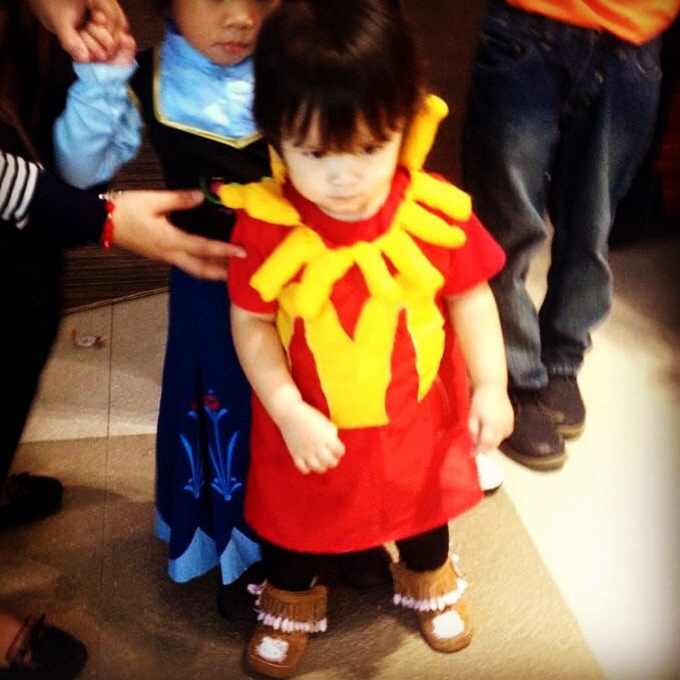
[(347, 61)]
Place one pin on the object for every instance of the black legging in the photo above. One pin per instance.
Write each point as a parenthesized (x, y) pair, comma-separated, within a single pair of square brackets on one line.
[(295, 571)]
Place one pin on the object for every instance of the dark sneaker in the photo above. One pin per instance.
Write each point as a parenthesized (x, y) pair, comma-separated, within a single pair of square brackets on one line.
[(534, 442), (29, 498), (562, 401)]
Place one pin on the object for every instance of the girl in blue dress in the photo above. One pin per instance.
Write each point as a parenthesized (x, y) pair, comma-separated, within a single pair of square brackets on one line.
[(192, 99)]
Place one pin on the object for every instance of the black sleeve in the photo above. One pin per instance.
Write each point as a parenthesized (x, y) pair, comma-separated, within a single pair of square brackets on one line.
[(64, 215)]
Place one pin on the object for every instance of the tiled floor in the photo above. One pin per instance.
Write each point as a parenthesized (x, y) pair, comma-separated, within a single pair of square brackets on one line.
[(606, 526)]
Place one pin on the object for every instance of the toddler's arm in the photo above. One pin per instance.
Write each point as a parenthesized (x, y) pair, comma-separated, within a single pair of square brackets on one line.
[(100, 128), (312, 439), (474, 317)]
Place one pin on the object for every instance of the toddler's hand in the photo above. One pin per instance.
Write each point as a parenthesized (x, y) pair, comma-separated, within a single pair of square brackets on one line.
[(89, 30), (106, 43), (491, 418), (311, 438)]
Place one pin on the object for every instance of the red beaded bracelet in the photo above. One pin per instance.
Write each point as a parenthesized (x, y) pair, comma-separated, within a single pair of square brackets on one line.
[(107, 231)]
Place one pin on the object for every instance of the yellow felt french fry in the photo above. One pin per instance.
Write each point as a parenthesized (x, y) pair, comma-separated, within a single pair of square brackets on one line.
[(441, 196), (422, 132), (277, 166), (411, 262), (429, 227), (296, 250), (317, 281), (261, 200), (379, 281)]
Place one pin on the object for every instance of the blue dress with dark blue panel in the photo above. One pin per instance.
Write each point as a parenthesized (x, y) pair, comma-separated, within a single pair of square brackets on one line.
[(203, 423)]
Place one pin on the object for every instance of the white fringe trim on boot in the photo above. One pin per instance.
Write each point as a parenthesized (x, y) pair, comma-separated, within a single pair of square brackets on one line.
[(286, 625), (435, 604)]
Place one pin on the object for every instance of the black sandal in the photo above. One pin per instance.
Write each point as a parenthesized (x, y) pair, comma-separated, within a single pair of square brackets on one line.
[(235, 601), (29, 498), (43, 652)]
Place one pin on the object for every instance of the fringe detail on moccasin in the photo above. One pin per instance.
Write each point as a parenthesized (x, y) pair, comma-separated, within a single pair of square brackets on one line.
[(293, 612), (430, 590)]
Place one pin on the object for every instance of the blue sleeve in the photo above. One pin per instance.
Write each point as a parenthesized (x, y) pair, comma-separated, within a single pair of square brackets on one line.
[(100, 128)]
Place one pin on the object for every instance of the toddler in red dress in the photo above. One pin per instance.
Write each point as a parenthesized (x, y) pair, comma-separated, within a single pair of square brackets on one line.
[(358, 314)]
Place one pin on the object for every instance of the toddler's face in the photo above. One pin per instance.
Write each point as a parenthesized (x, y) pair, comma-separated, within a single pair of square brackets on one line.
[(347, 185), (224, 31)]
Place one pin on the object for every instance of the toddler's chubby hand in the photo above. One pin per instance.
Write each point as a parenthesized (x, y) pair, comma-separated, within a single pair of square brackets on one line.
[(107, 41), (89, 30), (491, 417), (312, 439)]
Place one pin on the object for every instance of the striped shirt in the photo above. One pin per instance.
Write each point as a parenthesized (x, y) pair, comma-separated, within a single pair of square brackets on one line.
[(18, 178)]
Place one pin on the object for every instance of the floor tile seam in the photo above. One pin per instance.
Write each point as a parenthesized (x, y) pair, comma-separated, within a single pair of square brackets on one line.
[(109, 349)]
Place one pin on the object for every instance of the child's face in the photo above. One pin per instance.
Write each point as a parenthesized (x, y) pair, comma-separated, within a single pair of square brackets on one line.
[(347, 185), (224, 31)]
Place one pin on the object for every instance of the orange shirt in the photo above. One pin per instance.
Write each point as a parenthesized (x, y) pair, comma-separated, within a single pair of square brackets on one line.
[(636, 21)]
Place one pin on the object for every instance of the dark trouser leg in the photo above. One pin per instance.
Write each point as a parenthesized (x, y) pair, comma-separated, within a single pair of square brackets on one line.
[(29, 319)]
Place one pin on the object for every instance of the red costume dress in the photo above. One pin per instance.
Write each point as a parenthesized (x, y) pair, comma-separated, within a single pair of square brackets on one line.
[(360, 314)]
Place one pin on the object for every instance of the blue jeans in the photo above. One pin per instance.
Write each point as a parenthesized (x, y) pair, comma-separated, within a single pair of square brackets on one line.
[(558, 119)]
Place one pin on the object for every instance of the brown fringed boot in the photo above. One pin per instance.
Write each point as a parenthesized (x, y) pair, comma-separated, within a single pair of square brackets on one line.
[(285, 621), (437, 597)]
